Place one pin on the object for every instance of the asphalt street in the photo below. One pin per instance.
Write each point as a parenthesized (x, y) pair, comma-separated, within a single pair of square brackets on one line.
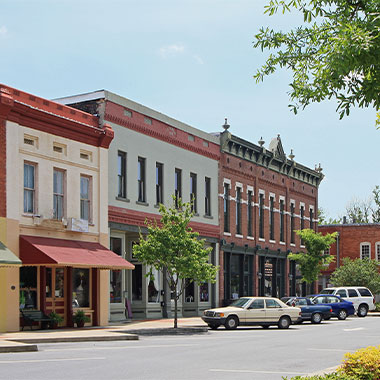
[(246, 353)]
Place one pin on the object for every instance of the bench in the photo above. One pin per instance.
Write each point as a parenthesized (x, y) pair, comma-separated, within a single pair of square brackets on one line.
[(31, 316)]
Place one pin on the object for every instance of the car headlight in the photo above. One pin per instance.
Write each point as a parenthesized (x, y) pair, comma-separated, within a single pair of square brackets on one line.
[(219, 315)]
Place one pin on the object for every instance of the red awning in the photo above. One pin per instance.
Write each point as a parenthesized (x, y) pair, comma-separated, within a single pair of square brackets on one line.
[(35, 250)]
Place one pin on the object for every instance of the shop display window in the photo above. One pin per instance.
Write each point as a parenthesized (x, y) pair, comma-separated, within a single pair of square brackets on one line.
[(189, 291), (203, 292), (137, 283), (81, 286), (115, 286), (154, 286), (28, 287)]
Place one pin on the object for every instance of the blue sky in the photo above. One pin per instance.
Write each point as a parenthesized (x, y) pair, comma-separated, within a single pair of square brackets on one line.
[(194, 61)]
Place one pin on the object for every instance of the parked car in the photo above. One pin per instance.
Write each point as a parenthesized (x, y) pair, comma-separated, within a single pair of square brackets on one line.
[(361, 297), (309, 311), (340, 307), (248, 311)]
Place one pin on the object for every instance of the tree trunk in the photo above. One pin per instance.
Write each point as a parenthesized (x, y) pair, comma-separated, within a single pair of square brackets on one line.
[(175, 309)]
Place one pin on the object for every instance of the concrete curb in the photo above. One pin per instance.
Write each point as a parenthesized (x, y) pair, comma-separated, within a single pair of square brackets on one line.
[(68, 339), (18, 348), (169, 331)]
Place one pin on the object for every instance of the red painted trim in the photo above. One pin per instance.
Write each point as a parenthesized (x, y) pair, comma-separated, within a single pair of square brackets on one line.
[(115, 113), (136, 218), (50, 117)]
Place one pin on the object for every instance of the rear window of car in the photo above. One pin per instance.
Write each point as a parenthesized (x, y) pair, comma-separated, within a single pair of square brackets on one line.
[(272, 303), (341, 292), (352, 293), (301, 302), (327, 291), (318, 300), (364, 292)]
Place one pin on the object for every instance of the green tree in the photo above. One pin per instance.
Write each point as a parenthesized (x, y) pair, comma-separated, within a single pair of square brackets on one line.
[(323, 219), (335, 53), (358, 272), (314, 259), (173, 247)]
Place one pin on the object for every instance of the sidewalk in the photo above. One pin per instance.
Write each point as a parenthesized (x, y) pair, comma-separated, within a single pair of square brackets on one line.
[(26, 340)]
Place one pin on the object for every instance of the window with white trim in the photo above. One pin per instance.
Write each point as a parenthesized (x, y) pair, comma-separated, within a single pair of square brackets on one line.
[(226, 207), (261, 216), (85, 198), (365, 251), (29, 188), (271, 218), (377, 251), (58, 194), (250, 213), (238, 210), (292, 232)]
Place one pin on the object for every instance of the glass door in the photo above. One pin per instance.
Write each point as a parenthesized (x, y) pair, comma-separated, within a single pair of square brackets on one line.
[(55, 291)]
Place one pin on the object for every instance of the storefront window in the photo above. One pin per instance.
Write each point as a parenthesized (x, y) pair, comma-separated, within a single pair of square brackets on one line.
[(115, 286), (235, 276), (49, 282), (189, 291), (116, 276), (59, 282), (247, 291), (268, 277), (137, 283), (203, 292), (81, 285), (28, 287), (154, 286)]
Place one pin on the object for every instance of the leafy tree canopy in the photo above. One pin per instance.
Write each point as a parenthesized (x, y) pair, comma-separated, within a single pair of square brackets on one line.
[(334, 54), (174, 248), (314, 259), (358, 272)]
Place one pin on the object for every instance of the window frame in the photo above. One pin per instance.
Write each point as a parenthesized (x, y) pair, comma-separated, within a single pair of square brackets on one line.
[(193, 192), (238, 202), (141, 179), (249, 213), (177, 185), (226, 207), (159, 183), (261, 215), (292, 224), (61, 196), (271, 217), (31, 190), (362, 245), (282, 220), (88, 200), (122, 174), (207, 196)]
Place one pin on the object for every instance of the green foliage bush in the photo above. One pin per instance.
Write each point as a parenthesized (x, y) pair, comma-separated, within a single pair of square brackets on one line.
[(363, 364), (377, 305)]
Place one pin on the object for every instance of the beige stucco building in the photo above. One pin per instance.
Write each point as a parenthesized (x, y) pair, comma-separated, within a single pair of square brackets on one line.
[(53, 211)]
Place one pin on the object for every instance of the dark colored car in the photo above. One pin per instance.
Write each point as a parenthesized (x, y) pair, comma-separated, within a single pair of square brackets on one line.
[(309, 311), (340, 307)]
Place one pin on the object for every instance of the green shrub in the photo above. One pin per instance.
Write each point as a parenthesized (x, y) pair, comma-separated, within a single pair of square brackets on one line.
[(329, 376), (363, 364), (377, 305)]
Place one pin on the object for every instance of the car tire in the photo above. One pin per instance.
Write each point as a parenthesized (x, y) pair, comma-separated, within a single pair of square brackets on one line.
[(231, 323), (362, 310), (342, 315), (213, 327), (284, 323), (316, 318)]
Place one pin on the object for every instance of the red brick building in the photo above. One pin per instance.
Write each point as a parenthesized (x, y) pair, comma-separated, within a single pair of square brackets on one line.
[(263, 197), (356, 241)]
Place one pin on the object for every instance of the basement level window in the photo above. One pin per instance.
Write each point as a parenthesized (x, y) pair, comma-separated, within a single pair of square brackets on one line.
[(205, 144), (191, 138), (127, 113), (147, 120), (28, 141)]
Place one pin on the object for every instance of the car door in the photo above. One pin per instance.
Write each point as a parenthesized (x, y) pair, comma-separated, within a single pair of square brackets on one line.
[(353, 296), (273, 310), (255, 312), (335, 303)]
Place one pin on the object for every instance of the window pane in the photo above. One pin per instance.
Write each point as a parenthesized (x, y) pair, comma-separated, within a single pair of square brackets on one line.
[(81, 285), (203, 292), (84, 187)]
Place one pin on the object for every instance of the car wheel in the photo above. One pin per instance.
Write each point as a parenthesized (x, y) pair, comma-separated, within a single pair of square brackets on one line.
[(316, 318), (362, 310), (265, 326), (284, 323), (231, 323), (342, 315), (213, 327)]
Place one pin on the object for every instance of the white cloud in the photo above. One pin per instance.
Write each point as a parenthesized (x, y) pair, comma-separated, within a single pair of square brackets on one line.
[(174, 49), (198, 59), (3, 31)]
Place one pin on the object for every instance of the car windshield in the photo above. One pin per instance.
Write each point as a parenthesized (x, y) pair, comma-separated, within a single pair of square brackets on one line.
[(327, 291), (241, 302)]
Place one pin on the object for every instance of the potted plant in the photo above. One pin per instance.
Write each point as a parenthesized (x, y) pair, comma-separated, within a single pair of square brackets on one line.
[(56, 319), (80, 318)]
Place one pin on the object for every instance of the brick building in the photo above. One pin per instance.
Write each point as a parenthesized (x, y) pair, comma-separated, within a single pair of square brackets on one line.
[(263, 198), (355, 241)]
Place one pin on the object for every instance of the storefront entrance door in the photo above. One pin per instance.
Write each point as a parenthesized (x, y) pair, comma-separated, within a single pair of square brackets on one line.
[(55, 291)]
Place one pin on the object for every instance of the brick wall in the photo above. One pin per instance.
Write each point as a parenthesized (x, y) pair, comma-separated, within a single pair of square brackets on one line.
[(350, 237)]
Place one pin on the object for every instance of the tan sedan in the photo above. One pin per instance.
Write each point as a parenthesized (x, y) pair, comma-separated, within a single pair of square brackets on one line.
[(251, 311)]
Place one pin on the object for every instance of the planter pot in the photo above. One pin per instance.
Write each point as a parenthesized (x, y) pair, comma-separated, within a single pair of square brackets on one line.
[(54, 325), (80, 324)]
